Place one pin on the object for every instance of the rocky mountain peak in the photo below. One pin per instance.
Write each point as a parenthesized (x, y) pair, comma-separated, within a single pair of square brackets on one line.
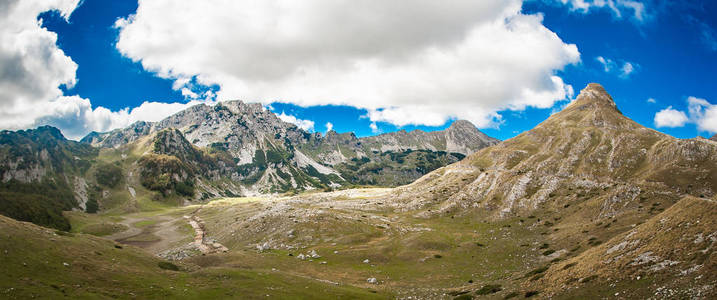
[(51, 131), (593, 107), (714, 137), (462, 124), (595, 96)]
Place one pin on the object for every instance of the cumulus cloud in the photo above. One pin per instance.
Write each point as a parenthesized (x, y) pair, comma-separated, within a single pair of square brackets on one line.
[(670, 117), (329, 126), (651, 100), (406, 62), (76, 117), (634, 9), (374, 127), (701, 112), (307, 125), (33, 68)]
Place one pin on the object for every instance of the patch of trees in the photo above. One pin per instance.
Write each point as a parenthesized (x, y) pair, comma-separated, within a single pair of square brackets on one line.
[(166, 173), (109, 175)]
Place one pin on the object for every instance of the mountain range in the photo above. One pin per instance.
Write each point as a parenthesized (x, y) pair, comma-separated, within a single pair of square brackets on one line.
[(228, 149), (588, 204)]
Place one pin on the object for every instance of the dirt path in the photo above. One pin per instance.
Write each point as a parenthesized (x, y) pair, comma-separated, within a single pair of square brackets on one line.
[(200, 242)]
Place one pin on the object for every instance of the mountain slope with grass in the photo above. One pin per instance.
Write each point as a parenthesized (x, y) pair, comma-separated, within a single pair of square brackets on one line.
[(670, 255), (44, 263), (587, 152), (42, 174)]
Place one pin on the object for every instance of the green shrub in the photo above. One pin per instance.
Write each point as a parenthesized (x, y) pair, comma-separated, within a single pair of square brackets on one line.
[(91, 206), (168, 266), (536, 271), (64, 233), (489, 289), (529, 294), (570, 265), (109, 175), (185, 188), (273, 156), (259, 158)]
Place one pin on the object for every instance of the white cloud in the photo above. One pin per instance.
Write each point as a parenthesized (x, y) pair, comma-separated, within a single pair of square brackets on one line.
[(670, 117), (627, 69), (307, 125), (635, 9), (374, 127), (33, 68), (329, 126), (76, 117), (406, 62), (651, 100), (701, 113), (609, 65)]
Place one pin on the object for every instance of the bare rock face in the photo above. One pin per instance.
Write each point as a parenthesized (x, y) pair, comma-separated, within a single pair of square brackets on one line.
[(266, 154), (588, 147)]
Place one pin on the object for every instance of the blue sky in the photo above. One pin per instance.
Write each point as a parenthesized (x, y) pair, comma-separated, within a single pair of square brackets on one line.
[(666, 52)]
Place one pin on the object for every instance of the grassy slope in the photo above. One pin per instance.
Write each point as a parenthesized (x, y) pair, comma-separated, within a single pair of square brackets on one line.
[(672, 250), (33, 261)]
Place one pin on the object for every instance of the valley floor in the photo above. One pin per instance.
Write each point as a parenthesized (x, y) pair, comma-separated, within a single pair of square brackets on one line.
[(344, 244)]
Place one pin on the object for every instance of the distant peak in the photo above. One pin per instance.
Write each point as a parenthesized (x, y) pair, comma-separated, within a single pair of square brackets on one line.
[(462, 124), (49, 130)]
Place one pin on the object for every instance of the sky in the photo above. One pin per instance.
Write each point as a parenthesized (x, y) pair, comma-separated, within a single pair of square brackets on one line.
[(368, 66)]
